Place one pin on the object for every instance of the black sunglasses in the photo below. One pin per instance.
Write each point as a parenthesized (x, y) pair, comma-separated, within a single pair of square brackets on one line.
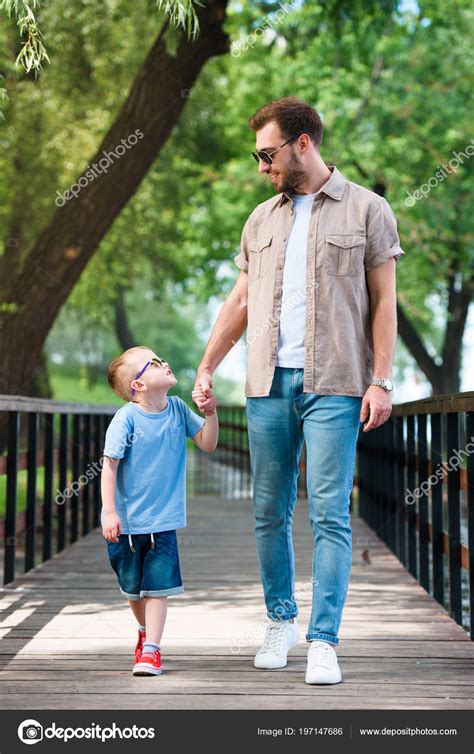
[(266, 156)]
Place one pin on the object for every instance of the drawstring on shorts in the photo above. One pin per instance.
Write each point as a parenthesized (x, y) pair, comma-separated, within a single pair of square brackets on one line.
[(130, 541)]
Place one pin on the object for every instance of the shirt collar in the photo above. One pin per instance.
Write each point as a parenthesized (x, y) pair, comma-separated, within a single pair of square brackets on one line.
[(334, 186)]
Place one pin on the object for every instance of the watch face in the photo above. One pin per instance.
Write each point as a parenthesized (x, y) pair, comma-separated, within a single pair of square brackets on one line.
[(389, 384)]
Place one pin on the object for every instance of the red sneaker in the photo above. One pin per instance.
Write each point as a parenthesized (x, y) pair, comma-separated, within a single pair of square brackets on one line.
[(139, 647), (148, 664)]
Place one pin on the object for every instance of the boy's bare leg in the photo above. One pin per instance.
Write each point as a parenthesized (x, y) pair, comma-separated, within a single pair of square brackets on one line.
[(155, 611), (138, 609)]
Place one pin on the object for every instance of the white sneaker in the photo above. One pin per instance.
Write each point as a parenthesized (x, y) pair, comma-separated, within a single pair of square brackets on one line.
[(322, 664), (281, 636)]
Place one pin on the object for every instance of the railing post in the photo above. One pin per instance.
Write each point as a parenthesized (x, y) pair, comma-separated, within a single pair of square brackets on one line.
[(470, 515), (62, 478), (411, 483), (76, 470), (377, 513), (85, 488), (11, 502), (392, 489), (454, 521), (32, 468), (360, 475), (400, 486), (437, 537), (48, 484), (389, 486), (97, 419), (423, 534)]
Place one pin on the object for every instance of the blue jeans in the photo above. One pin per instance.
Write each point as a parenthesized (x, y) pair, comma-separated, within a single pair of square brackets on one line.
[(329, 425)]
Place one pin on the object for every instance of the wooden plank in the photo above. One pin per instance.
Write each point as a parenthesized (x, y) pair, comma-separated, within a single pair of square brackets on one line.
[(424, 660), (204, 673), (277, 683), (223, 701)]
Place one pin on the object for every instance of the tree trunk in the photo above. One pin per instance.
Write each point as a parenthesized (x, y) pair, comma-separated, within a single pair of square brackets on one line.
[(444, 377), (37, 291), (122, 327)]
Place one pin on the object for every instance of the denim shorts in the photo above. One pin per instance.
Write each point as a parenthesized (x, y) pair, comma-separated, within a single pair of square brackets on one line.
[(149, 571)]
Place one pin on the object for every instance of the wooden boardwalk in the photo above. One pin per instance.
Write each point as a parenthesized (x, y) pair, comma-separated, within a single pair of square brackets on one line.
[(68, 635)]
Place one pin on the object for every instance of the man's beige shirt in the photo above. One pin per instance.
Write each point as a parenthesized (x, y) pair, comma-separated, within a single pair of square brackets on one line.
[(352, 230)]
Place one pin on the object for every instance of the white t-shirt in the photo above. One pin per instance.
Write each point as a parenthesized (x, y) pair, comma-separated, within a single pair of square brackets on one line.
[(291, 335)]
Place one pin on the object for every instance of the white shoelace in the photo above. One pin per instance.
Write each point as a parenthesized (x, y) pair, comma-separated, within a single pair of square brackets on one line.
[(323, 655), (273, 638)]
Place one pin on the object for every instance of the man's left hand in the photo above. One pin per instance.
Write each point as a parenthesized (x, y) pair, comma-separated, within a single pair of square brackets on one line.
[(379, 402)]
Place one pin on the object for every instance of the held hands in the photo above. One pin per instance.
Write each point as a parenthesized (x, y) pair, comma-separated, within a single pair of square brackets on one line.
[(380, 404), (111, 527), (202, 394)]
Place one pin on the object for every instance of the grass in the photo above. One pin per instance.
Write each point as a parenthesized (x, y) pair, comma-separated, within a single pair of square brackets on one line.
[(21, 489), (73, 389)]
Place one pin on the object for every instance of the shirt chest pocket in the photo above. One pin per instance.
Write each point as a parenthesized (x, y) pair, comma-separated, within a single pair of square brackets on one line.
[(175, 436), (259, 255), (344, 253)]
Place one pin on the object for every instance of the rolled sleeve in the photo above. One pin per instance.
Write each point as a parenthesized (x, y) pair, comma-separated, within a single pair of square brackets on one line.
[(382, 242), (242, 258)]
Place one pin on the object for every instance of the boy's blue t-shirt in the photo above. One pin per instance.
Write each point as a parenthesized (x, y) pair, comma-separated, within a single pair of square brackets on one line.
[(151, 476)]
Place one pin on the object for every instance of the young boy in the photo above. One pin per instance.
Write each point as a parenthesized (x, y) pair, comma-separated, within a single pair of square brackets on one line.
[(144, 488)]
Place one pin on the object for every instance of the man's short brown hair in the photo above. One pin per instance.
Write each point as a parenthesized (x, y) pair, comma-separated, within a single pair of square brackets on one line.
[(120, 373), (293, 116)]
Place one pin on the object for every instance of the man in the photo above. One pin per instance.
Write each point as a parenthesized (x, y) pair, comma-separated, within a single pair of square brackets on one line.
[(316, 293)]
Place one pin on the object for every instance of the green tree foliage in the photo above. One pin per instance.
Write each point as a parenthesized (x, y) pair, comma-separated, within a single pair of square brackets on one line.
[(32, 53), (393, 89)]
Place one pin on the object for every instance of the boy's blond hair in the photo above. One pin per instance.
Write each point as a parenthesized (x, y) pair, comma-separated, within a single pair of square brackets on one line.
[(121, 372)]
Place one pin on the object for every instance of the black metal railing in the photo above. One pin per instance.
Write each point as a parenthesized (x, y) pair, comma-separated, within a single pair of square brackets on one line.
[(431, 532), (57, 445), (416, 491), (226, 471)]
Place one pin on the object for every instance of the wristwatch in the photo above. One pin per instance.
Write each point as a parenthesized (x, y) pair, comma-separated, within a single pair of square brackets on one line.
[(386, 383)]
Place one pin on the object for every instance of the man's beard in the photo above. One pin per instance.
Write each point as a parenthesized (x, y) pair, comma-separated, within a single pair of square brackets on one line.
[(294, 176)]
